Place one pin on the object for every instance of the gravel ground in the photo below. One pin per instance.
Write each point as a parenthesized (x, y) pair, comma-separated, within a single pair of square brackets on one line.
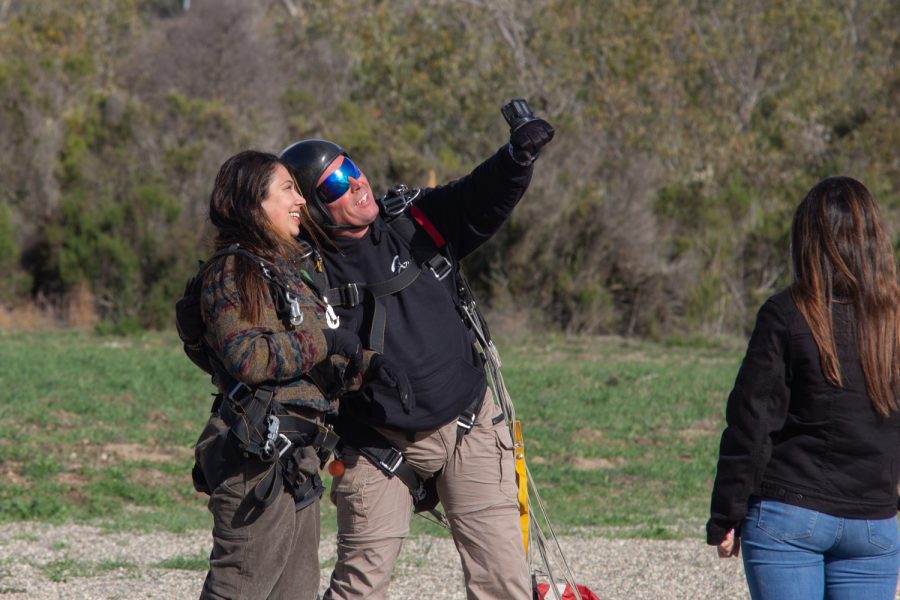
[(39, 561)]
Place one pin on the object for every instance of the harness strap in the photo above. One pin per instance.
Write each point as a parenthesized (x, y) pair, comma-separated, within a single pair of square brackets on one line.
[(428, 226), (381, 453), (379, 317), (265, 491), (391, 461), (308, 491), (245, 410), (349, 296), (466, 421), (263, 429), (288, 471), (432, 259), (346, 295)]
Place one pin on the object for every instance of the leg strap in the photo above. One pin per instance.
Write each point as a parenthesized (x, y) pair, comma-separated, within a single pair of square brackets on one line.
[(466, 421), (389, 459)]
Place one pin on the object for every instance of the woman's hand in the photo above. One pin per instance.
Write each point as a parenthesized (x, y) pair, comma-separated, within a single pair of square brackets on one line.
[(730, 547)]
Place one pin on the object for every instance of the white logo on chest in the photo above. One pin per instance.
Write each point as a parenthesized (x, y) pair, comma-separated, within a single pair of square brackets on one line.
[(397, 265)]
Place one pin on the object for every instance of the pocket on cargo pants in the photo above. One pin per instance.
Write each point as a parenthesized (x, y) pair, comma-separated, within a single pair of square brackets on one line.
[(507, 458)]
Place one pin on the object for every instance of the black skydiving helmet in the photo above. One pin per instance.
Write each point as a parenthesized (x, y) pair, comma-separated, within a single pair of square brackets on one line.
[(308, 159)]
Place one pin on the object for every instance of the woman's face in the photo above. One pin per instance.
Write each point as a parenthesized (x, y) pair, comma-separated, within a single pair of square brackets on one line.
[(283, 203)]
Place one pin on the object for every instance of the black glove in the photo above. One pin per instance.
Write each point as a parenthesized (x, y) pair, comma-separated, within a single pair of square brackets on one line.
[(526, 142), (344, 342), (390, 378)]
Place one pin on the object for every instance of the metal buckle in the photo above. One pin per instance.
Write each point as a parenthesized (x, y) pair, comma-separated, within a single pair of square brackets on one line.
[(398, 199), (331, 319), (327, 439), (394, 205), (419, 493), (395, 459), (296, 317), (272, 425), (282, 444), (306, 249), (465, 422), (239, 391), (441, 270), (349, 295)]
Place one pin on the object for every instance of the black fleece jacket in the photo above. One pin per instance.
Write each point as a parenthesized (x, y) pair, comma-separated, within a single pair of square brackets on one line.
[(793, 437), (424, 333)]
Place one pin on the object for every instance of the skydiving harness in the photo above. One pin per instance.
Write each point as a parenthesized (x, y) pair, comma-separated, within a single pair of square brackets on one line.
[(403, 217), (264, 430), (389, 459), (257, 424), (189, 320), (434, 258)]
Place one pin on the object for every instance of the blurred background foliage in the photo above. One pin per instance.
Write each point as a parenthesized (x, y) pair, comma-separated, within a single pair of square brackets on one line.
[(686, 134)]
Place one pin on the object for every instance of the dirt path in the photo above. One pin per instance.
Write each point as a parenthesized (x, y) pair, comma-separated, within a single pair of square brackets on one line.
[(39, 561)]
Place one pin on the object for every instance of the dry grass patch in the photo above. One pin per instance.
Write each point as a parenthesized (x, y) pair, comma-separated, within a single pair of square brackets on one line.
[(593, 437), (138, 452), (702, 428), (11, 471), (71, 479), (152, 478), (27, 317), (583, 463)]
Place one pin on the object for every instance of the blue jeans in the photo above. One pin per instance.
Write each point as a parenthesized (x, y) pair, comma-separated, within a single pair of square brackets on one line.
[(793, 553)]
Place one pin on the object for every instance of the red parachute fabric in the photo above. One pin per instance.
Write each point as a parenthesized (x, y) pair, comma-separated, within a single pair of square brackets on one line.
[(568, 594)]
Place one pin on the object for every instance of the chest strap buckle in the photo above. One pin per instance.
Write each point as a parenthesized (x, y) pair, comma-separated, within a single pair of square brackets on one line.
[(345, 295), (440, 266)]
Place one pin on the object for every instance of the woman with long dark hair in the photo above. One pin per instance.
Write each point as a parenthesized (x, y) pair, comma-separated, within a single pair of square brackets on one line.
[(806, 484), (279, 362)]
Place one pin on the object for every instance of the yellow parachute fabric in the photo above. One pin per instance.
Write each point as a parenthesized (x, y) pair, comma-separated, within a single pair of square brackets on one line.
[(522, 481)]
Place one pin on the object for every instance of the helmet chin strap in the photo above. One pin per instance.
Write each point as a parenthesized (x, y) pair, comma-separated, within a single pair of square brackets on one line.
[(334, 229)]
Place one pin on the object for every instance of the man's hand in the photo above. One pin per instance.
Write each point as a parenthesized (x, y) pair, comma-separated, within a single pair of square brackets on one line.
[(391, 379), (343, 342), (526, 141)]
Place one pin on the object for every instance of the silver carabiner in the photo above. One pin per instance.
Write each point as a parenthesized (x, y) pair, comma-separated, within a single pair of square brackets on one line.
[(331, 319), (296, 317)]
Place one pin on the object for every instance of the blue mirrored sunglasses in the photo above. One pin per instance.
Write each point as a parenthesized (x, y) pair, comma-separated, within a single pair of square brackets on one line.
[(336, 185)]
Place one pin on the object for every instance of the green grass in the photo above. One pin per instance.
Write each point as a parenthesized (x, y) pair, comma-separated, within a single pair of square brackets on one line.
[(619, 434), (99, 430), (66, 568), (622, 434)]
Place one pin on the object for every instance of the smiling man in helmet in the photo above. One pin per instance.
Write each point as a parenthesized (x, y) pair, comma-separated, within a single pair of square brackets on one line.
[(393, 268)]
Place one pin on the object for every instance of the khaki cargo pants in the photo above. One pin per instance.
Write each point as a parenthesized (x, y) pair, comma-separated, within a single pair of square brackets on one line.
[(477, 488)]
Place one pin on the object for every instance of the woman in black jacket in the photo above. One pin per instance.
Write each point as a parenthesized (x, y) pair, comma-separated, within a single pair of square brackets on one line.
[(806, 483)]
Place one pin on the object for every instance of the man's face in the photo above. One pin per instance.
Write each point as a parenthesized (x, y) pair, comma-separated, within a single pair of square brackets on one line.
[(356, 206)]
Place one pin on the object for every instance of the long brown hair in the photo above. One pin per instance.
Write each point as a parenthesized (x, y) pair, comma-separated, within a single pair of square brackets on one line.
[(235, 210), (840, 251)]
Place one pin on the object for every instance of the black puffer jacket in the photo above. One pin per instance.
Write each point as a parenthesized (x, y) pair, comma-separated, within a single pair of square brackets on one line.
[(794, 437), (424, 334)]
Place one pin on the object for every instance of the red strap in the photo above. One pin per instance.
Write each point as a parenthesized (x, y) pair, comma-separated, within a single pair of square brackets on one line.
[(428, 226)]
